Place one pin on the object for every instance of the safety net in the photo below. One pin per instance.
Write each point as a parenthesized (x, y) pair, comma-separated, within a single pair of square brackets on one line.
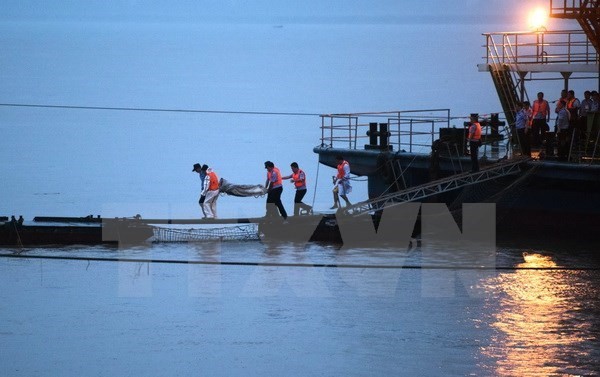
[(245, 232)]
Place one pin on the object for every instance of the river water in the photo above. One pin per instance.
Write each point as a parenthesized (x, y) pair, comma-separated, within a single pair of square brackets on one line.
[(253, 308), (248, 308)]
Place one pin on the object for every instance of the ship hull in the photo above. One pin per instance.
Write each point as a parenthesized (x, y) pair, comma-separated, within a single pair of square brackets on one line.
[(548, 200), (108, 232)]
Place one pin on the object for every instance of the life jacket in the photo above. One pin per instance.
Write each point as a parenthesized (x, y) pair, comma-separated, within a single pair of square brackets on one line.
[(340, 169), (540, 107), (573, 111), (214, 181), (299, 184), (278, 182), (475, 131)]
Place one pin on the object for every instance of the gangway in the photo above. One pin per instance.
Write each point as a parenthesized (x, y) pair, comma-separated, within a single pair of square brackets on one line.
[(416, 193)]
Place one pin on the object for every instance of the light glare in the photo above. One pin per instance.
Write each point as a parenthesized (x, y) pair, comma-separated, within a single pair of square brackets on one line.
[(538, 18)]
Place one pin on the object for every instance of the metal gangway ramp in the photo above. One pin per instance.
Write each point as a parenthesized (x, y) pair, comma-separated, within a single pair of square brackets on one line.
[(497, 170)]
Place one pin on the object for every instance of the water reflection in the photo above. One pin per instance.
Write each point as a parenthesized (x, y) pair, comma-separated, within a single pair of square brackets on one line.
[(535, 319)]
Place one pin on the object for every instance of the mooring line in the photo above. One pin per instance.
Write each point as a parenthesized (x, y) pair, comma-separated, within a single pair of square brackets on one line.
[(163, 110)]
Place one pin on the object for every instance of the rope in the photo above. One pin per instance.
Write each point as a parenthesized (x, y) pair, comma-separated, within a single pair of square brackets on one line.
[(402, 171), (73, 107), (144, 109), (19, 241), (312, 204)]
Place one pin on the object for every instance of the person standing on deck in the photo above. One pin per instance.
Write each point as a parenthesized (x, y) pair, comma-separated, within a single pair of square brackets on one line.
[(210, 192), (274, 185), (573, 106), (563, 131), (342, 182), (563, 97), (198, 169), (522, 127), (584, 109), (541, 117), (595, 107), (298, 178), (474, 139)]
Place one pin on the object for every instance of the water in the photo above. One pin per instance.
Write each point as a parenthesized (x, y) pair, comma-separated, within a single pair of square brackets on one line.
[(248, 308)]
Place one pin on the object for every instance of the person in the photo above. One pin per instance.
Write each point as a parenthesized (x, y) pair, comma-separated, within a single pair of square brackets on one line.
[(522, 127), (474, 139), (198, 169), (595, 107), (274, 186), (573, 106), (594, 114), (342, 182), (541, 117), (563, 97), (528, 111), (584, 109), (562, 129), (210, 192), (298, 178)]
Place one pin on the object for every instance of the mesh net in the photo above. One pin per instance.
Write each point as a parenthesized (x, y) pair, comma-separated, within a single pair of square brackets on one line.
[(246, 232)]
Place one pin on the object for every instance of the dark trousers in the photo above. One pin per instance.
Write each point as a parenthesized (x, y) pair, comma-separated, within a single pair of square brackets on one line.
[(298, 202), (524, 142), (474, 149), (564, 143), (582, 127), (538, 131), (274, 200)]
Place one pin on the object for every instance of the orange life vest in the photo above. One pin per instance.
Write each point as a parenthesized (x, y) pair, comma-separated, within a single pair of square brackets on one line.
[(540, 107), (278, 182), (475, 131), (214, 181), (340, 169), (298, 183)]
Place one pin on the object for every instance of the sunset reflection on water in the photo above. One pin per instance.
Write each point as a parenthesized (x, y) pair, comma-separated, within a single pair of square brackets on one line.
[(536, 321)]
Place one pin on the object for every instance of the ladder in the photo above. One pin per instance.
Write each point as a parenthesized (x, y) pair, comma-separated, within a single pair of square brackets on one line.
[(506, 89), (416, 193), (586, 12)]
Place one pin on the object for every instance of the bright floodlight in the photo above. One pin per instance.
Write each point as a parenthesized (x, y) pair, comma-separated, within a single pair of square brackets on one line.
[(538, 19)]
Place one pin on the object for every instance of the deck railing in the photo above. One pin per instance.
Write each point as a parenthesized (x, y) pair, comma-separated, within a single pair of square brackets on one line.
[(541, 47), (409, 130)]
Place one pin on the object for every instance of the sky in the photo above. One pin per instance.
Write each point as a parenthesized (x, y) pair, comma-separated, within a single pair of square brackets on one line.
[(125, 54), (271, 11)]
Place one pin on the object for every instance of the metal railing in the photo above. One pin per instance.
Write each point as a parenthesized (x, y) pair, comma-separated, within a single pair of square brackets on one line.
[(571, 7), (541, 47), (417, 193), (408, 130)]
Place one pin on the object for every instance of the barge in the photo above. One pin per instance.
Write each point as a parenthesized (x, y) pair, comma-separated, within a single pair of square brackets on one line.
[(52, 231), (90, 230), (548, 197)]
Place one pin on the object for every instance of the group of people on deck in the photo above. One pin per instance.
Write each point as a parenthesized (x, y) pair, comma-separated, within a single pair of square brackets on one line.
[(532, 122), (274, 188)]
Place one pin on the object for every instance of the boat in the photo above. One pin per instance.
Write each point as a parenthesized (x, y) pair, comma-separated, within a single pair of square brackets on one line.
[(61, 231), (545, 197), (95, 230)]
